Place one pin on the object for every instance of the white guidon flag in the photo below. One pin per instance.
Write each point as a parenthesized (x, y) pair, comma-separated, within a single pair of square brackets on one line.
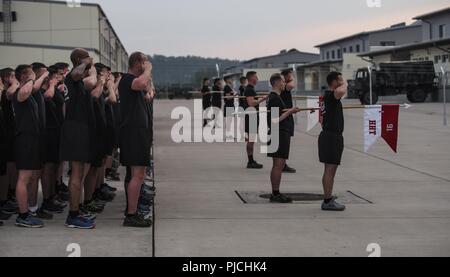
[(381, 122)]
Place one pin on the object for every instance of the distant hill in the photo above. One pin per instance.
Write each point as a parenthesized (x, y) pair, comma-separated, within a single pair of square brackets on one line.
[(185, 71)]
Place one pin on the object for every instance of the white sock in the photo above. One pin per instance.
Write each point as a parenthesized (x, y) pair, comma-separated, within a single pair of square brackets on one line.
[(33, 209)]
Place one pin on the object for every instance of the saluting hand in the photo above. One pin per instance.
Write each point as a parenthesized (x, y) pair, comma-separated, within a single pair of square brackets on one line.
[(148, 66)]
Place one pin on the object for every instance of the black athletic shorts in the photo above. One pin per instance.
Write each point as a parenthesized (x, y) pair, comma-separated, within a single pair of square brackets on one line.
[(110, 140), (98, 148), (2, 168), (331, 147), (9, 151), (284, 146), (3, 160), (75, 142), (28, 151), (135, 144), (51, 139), (247, 125)]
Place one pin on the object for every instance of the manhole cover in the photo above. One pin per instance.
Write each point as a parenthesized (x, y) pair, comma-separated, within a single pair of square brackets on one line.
[(346, 197), (299, 196)]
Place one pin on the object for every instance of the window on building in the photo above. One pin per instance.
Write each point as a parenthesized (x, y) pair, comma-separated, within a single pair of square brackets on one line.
[(387, 43), (437, 59), (339, 54), (1, 16), (444, 58), (333, 54), (358, 48), (351, 49), (328, 55), (345, 49), (441, 31)]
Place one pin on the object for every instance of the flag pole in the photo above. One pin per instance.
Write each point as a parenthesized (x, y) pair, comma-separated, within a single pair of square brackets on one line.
[(347, 107), (444, 82)]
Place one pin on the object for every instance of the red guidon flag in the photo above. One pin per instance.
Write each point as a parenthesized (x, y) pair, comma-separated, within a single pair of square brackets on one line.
[(381, 121)]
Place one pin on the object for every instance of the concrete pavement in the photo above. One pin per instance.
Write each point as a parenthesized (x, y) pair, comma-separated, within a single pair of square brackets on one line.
[(199, 214)]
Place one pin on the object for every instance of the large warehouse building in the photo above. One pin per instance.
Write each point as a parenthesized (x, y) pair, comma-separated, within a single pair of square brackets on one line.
[(47, 31)]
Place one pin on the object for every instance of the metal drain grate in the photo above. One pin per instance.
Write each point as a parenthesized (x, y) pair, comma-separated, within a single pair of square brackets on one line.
[(347, 197)]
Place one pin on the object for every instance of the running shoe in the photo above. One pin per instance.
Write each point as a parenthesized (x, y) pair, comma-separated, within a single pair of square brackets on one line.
[(280, 198), (137, 221), (79, 222), (29, 222), (333, 206), (254, 165)]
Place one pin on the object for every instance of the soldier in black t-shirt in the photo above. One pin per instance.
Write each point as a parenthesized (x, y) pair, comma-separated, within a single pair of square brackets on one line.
[(331, 141), (3, 185), (77, 131), (11, 84), (251, 132), (228, 91), (27, 149), (95, 175), (216, 98), (54, 102), (41, 73), (286, 95), (285, 127), (135, 136), (206, 99), (243, 82)]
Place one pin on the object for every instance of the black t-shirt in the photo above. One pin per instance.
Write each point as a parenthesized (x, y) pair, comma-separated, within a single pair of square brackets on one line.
[(275, 101), (79, 104), (286, 95), (250, 92), (333, 116), (109, 112), (40, 101), (132, 105), (116, 113), (8, 114), (26, 115), (2, 129), (216, 99), (228, 91), (99, 112), (206, 96), (242, 101), (54, 110)]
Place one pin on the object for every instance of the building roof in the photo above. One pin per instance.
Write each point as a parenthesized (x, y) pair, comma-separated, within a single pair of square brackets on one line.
[(319, 63), (82, 4), (289, 52), (431, 14), (365, 33), (405, 47)]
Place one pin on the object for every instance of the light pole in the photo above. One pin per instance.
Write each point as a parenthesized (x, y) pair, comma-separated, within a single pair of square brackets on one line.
[(370, 84), (444, 84)]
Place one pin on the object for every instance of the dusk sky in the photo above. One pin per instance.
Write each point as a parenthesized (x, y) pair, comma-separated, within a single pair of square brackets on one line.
[(242, 29)]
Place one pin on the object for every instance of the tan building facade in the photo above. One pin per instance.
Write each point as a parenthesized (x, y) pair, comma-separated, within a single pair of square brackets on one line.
[(47, 31)]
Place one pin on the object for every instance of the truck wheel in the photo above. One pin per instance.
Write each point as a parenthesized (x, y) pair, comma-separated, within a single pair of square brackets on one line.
[(365, 98), (417, 96)]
